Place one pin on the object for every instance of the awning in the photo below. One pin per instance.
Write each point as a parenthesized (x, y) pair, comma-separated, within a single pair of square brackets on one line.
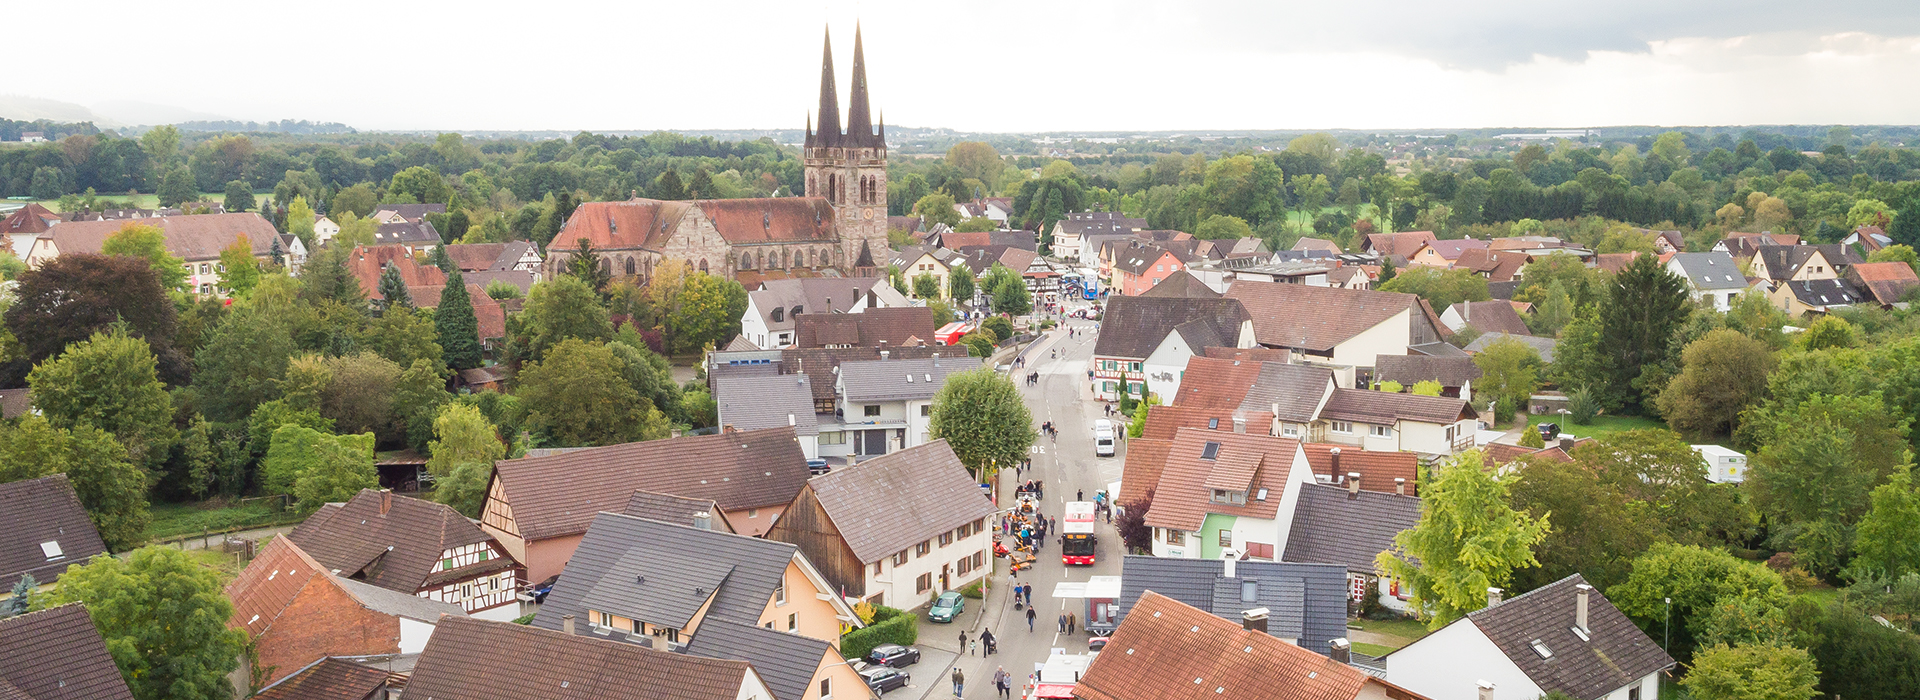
[(1093, 587)]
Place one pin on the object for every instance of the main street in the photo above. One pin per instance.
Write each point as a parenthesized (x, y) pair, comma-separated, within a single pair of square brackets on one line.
[(1068, 467)]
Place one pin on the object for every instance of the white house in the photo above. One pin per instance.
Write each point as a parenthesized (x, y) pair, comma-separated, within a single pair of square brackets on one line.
[(197, 239), (1379, 421), (1562, 637), (1724, 465), (324, 229), (1336, 326), (1222, 490), (769, 320), (1135, 328), (1070, 234), (1167, 364), (887, 405), (1713, 278)]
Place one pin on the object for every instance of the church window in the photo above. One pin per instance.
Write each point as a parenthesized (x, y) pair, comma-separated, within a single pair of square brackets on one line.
[(630, 267), (703, 264), (606, 266)]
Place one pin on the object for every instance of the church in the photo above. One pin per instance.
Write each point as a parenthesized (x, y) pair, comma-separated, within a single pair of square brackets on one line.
[(839, 229)]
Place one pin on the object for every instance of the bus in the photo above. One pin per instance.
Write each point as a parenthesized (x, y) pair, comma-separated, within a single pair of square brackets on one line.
[(1077, 540)]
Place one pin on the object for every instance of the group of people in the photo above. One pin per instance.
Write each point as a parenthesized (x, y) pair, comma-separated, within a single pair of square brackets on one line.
[(1052, 432), (985, 639)]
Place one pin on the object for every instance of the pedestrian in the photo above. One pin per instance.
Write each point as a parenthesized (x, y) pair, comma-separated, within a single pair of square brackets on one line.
[(1029, 595), (986, 637), (1003, 681), (1030, 617), (1063, 622), (959, 681), (963, 640), (973, 646), (1079, 494), (1073, 619)]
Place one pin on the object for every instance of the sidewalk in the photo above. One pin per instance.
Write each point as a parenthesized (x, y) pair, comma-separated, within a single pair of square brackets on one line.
[(938, 641)]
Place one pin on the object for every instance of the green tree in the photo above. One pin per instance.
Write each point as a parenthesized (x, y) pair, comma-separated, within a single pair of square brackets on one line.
[(163, 617), (300, 221), (317, 468), (239, 197), (1820, 463), (111, 488), (587, 265), (1697, 579), (458, 328), (1638, 316), (565, 307), (937, 208), (1722, 373), (1441, 288), (960, 284), (403, 335), (109, 382), (1597, 529), (1468, 540), (1245, 186), (1860, 658), (1897, 253), (240, 364), (650, 375), (1658, 469), (926, 286), (1223, 227), (1312, 191), (326, 277), (176, 187), (1829, 332), (1884, 546), (417, 398), (239, 271), (982, 417), (148, 243), (979, 343), (1508, 376), (977, 224), (1553, 312), (668, 186), (576, 396), (463, 440), (1007, 291), (162, 144), (393, 291), (1756, 672), (359, 392), (1001, 328), (977, 160), (1426, 387), (707, 312)]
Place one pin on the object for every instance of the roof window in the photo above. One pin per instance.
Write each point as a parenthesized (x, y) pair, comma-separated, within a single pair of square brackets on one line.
[(1540, 648), (52, 550), (1210, 451)]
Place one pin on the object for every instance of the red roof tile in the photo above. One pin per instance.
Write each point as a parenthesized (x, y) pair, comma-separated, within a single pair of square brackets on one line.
[(1242, 462), (192, 238), (1377, 469)]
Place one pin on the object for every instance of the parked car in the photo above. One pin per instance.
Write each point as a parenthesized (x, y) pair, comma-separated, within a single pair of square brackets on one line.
[(541, 589), (884, 678), (894, 655), (816, 467), (946, 607)]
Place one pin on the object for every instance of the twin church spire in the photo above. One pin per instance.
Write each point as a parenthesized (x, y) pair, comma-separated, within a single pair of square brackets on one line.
[(859, 132)]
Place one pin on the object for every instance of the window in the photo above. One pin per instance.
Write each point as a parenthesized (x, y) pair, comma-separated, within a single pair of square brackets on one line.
[(900, 559), (925, 546), (826, 688), (926, 409), (606, 620), (1540, 648), (793, 622), (1229, 497), (946, 538), (1633, 693), (1176, 537), (871, 411), (1249, 590), (1136, 366), (1210, 450), (780, 593), (1213, 424), (52, 550), (1380, 431), (203, 268), (1226, 538), (920, 585), (1289, 430), (1341, 426)]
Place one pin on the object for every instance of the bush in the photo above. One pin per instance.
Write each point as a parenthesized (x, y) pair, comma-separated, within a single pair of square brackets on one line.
[(523, 620), (890, 626), (1582, 406), (974, 590), (502, 289), (1001, 327)]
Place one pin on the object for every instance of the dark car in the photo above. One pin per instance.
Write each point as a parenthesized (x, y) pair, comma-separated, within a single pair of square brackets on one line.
[(1548, 431), (884, 678), (541, 589), (816, 467), (894, 655)]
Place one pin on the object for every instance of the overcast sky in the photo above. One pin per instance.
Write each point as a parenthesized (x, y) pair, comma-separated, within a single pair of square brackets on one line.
[(988, 65)]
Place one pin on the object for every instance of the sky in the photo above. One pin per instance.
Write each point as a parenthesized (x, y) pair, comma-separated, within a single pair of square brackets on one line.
[(987, 65)]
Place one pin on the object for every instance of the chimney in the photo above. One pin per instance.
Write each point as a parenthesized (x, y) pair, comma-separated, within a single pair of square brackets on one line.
[(1336, 461), (884, 353), (1580, 595), (873, 300), (1341, 650), (386, 501), (1230, 561), (830, 305), (1486, 690), (1400, 486), (1254, 620), (1353, 484), (703, 520), (936, 359), (1239, 422), (566, 623), (883, 345), (1493, 596)]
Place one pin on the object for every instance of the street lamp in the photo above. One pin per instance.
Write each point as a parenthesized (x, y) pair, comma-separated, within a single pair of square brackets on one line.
[(1667, 627)]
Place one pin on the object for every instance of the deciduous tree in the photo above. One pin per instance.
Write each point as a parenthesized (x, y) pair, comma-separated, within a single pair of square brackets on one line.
[(239, 197), (1697, 579), (982, 417), (565, 307), (464, 448), (163, 617), (960, 284), (1885, 547), (937, 208), (1819, 463), (1752, 672), (1441, 288), (148, 243), (1597, 529), (241, 362), (239, 271), (1508, 376), (926, 286), (111, 488), (577, 397), (1468, 540), (1722, 373), (109, 382), (707, 312)]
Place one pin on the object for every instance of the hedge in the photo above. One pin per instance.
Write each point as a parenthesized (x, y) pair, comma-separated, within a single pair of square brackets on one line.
[(890, 626)]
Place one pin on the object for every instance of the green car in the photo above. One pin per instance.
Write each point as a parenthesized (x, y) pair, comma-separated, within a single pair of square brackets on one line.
[(946, 607)]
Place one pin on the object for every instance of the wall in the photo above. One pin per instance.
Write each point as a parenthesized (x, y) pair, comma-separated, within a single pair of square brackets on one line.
[(842, 680), (1210, 534), (1450, 663), (816, 617), (414, 634), (898, 583), (753, 522), (1167, 366), (549, 556), (1389, 337), (323, 620), (1649, 689)]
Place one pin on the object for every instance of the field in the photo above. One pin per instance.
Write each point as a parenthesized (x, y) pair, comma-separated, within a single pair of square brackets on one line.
[(150, 201), (182, 519), (1602, 425)]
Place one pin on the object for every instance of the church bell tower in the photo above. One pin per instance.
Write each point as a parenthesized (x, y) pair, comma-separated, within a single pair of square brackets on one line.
[(849, 168)]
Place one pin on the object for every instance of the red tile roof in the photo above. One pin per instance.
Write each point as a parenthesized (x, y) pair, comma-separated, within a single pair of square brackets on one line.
[(334, 678), (399, 548), (1316, 318), (54, 654), (268, 584), (1377, 469), (367, 263), (1145, 458), (1163, 422), (647, 223), (1886, 281), (1243, 462), (486, 310), (1405, 243), (192, 238)]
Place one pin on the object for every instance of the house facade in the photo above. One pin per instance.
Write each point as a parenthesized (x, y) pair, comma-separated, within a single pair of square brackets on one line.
[(887, 405), (1222, 493), (196, 239), (1139, 268), (1344, 328), (414, 547), (1133, 329), (773, 309), (1378, 421)]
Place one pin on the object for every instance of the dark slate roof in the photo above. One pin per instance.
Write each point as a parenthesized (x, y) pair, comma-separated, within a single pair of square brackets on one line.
[(752, 403), (889, 503), (785, 661), (1331, 526), (35, 511), (470, 659), (662, 573), (892, 326), (558, 494), (898, 380), (674, 509), (1305, 601), (1135, 326), (57, 653), (819, 363), (1618, 654), (1412, 369), (1382, 408), (396, 603), (398, 549), (1835, 292), (1492, 316), (333, 678), (1210, 332), (1716, 270)]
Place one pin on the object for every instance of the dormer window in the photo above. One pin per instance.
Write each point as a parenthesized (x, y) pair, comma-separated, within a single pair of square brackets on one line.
[(779, 315), (1229, 497)]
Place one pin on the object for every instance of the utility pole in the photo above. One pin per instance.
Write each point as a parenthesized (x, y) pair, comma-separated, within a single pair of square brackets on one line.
[(1667, 627)]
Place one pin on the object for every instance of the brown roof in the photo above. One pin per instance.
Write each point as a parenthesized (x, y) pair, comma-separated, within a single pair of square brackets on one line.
[(487, 311), (1134, 326), (468, 659), (1146, 457), (38, 511), (397, 549), (886, 504), (1409, 370), (1169, 650), (1290, 392), (1243, 462), (15, 403), (867, 328), (1615, 262), (1887, 282), (192, 238), (1382, 408), (367, 263), (818, 363), (557, 495), (648, 223), (1164, 421), (474, 257), (668, 508), (57, 653), (1614, 654), (1310, 243), (1453, 248), (1405, 243), (1377, 469), (32, 218), (1316, 318), (334, 678), (1216, 384), (1495, 265), (1491, 316), (1182, 284), (269, 584)]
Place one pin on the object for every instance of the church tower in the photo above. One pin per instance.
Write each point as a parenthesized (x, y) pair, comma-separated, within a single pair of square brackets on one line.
[(849, 169)]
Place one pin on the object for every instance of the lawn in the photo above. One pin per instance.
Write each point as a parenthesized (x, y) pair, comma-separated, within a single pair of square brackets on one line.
[(1406, 630), (1602, 425), (180, 519), (1370, 649)]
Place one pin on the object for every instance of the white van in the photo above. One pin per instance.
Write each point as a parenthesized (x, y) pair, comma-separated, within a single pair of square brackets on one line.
[(1103, 438)]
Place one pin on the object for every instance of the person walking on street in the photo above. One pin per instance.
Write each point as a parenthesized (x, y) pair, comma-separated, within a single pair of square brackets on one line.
[(1072, 620), (986, 638), (1003, 681), (973, 646), (959, 681), (963, 640), (1063, 622), (1029, 595), (1030, 617)]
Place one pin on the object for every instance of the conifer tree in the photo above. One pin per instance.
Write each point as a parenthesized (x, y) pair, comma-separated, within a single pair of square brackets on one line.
[(393, 289), (459, 329)]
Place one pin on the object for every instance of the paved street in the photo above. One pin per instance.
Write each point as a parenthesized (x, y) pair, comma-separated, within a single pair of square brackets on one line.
[(1066, 465)]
